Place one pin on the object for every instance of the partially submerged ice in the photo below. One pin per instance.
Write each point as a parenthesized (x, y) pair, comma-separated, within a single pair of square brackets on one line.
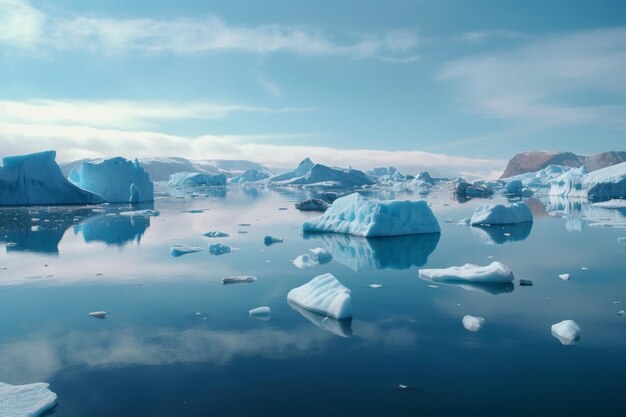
[(216, 234), (117, 180), (495, 272), (567, 331), (473, 323), (238, 279), (193, 179), (219, 248), (489, 214), (319, 256), (312, 204), (25, 400), (324, 294), (464, 189), (270, 240), (359, 216), (36, 179), (180, 250)]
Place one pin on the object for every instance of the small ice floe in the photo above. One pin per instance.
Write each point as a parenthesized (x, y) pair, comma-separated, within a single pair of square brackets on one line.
[(215, 234), (621, 313), (282, 208), (180, 250), (465, 222), (143, 213), (219, 249), (321, 255), (489, 256), (324, 294), (525, 283), (567, 331), (584, 268), (495, 272), (617, 302), (98, 314), (261, 313), (433, 286), (564, 277), (375, 286), (195, 211), (29, 400), (473, 323), (407, 388), (305, 261), (238, 279), (99, 274), (35, 228), (448, 220), (270, 240), (621, 240)]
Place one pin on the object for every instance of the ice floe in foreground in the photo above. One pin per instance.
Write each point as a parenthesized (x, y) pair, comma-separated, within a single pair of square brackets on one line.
[(357, 215), (180, 250), (238, 279), (473, 323), (261, 313), (25, 400), (500, 214), (324, 294), (495, 272), (567, 331)]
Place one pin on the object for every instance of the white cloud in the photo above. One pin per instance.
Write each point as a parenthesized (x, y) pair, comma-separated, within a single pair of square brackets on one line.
[(26, 25), (561, 80), (484, 35)]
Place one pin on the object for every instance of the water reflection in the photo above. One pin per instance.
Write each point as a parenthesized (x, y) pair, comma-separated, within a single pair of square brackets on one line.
[(341, 328), (493, 288), (361, 253), (501, 234), (113, 229), (37, 229), (580, 213)]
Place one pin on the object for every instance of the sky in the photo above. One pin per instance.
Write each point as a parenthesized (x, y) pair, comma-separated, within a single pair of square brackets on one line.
[(452, 86)]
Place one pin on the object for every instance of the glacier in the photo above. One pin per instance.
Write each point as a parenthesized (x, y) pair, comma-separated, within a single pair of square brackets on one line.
[(495, 272), (359, 216), (193, 179), (26, 400), (500, 214), (116, 180), (567, 331), (324, 294), (36, 179)]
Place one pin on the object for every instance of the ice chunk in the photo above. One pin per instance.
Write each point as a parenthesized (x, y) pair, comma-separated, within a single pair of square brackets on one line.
[(117, 180), (564, 277), (180, 250), (359, 216), (324, 294), (25, 400), (37, 179), (305, 261), (98, 314), (603, 184), (375, 286), (219, 249), (321, 255), (473, 323), (270, 240), (261, 313), (514, 187), (193, 179), (238, 279), (215, 234), (495, 272), (500, 214), (142, 213), (312, 204), (567, 331)]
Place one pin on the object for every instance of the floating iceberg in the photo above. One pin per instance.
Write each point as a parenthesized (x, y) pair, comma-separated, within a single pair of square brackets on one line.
[(516, 188), (501, 214), (359, 216), (26, 400), (312, 204), (238, 279), (323, 295), (543, 178), (501, 234), (321, 255), (270, 240), (304, 167), (323, 175), (567, 331), (261, 313), (193, 179), (219, 249), (251, 175), (603, 184), (36, 179), (495, 272), (305, 261), (180, 250), (117, 180), (473, 323), (98, 314), (467, 190), (564, 277), (216, 234), (140, 213)]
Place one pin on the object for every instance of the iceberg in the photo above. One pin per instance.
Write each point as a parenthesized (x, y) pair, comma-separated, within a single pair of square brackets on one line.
[(216, 234), (26, 400), (500, 214), (304, 167), (98, 314), (261, 313), (312, 204), (324, 294), (356, 215), (251, 175), (473, 323), (219, 249), (238, 279), (323, 175), (495, 272), (36, 179), (180, 250), (567, 331), (603, 184), (194, 179), (305, 261), (116, 180), (516, 188), (464, 189), (270, 240), (321, 255)]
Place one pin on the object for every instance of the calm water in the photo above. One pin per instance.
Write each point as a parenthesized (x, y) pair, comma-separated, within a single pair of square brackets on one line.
[(178, 343)]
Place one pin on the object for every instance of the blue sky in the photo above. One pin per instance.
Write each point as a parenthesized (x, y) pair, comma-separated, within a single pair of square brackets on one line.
[(447, 85)]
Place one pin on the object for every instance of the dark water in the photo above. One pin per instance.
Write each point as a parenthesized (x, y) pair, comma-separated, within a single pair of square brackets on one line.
[(154, 355)]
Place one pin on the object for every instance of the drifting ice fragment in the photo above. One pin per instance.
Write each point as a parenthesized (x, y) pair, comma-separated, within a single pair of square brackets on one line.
[(312, 204), (261, 313), (324, 294), (374, 285), (26, 400), (321, 255), (180, 250), (216, 234), (270, 240), (567, 331), (219, 249), (564, 277), (473, 323), (305, 261), (98, 314), (238, 279), (525, 282), (495, 272)]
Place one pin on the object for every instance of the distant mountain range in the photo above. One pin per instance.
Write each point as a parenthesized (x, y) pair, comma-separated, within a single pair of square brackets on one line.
[(536, 160)]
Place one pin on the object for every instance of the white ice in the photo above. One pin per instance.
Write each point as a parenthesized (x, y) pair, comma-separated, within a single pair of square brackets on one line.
[(98, 314), (500, 214), (321, 255), (192, 179), (25, 400), (140, 213), (564, 277), (473, 323), (324, 294), (603, 184), (567, 331), (238, 279), (180, 250), (495, 272)]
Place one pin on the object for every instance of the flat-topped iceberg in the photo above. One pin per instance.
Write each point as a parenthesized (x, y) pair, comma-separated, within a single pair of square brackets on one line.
[(359, 216), (495, 272), (193, 179), (36, 179), (324, 294), (567, 331), (25, 400), (117, 180), (489, 214)]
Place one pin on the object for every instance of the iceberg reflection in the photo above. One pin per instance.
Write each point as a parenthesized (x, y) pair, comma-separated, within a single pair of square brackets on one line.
[(341, 327), (113, 229), (579, 213), (362, 253), (501, 234), (493, 288)]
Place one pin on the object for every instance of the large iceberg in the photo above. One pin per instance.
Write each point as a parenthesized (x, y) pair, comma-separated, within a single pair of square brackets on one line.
[(302, 168), (357, 215), (36, 179), (495, 272), (117, 180), (25, 400), (193, 179), (323, 295), (251, 175), (500, 214), (603, 184)]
